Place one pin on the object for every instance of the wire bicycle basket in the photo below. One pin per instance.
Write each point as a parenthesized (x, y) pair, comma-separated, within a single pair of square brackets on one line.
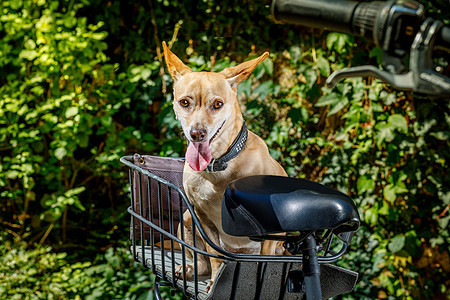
[(158, 202)]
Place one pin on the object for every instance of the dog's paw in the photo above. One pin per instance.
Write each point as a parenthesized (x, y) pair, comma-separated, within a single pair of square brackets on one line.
[(208, 287), (189, 271)]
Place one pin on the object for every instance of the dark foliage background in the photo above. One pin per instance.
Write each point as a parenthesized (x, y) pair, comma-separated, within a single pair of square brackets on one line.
[(82, 83)]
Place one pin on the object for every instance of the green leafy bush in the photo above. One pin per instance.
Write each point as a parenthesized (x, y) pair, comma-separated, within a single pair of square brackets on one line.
[(83, 83), (43, 274), (61, 135), (388, 150)]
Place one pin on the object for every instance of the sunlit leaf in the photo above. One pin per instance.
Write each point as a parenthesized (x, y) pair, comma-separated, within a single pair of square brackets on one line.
[(397, 243), (398, 122), (324, 66), (328, 99), (71, 111), (365, 184), (60, 153)]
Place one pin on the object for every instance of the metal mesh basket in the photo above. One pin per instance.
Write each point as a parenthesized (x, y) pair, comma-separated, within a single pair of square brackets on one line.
[(157, 205), (158, 197)]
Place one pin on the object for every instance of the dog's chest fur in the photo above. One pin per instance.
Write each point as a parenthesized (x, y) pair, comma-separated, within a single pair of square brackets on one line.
[(205, 192)]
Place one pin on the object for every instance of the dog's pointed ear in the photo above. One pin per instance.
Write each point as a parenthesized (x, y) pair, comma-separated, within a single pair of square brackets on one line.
[(237, 74), (176, 67)]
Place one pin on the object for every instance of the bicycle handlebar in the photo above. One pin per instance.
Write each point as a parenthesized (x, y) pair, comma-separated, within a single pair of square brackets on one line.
[(397, 27), (336, 16)]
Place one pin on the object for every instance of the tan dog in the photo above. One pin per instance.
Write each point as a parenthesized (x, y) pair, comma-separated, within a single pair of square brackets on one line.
[(206, 105)]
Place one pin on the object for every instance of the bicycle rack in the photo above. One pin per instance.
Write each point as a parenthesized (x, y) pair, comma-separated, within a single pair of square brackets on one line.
[(157, 205)]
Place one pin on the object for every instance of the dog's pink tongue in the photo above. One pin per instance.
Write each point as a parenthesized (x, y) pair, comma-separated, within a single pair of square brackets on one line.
[(198, 155)]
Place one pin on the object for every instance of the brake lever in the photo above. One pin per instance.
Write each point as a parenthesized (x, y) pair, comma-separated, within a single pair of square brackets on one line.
[(401, 82), (421, 77), (427, 80)]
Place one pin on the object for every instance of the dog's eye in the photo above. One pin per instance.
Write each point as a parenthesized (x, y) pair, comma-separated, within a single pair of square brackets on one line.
[(184, 102), (217, 104)]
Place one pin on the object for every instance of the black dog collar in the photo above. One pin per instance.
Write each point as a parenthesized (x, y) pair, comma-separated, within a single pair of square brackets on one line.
[(221, 163)]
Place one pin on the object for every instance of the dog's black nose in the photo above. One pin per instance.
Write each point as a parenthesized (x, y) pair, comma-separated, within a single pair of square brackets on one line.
[(198, 135)]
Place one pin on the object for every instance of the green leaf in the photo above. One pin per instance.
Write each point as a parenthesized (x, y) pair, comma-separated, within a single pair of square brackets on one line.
[(264, 89), (70, 21), (384, 209), (383, 133), (443, 222), (324, 66), (328, 99), (337, 41), (298, 114), (106, 120), (441, 135), (398, 121), (109, 273), (77, 204), (16, 4), (23, 110), (28, 54), (296, 53), (259, 71), (445, 198), (437, 241), (389, 193), (83, 140), (331, 39), (268, 66), (397, 243), (60, 153), (371, 215), (388, 98), (74, 191), (365, 184), (310, 76), (30, 44), (338, 106), (71, 111), (12, 174), (245, 87), (335, 100), (378, 53)]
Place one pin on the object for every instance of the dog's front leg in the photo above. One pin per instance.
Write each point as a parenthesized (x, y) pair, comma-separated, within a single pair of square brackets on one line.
[(188, 236), (214, 262), (213, 234), (215, 266)]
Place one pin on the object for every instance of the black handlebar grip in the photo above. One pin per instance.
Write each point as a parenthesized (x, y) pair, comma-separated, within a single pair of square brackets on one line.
[(332, 15), (443, 38), (370, 18)]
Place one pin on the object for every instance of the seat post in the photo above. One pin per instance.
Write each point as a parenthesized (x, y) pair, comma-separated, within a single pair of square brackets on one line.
[(311, 269)]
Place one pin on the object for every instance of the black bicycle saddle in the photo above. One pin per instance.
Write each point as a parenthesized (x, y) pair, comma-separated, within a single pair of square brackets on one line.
[(262, 205)]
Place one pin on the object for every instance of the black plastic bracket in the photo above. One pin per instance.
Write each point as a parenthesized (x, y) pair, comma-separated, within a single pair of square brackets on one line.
[(295, 282)]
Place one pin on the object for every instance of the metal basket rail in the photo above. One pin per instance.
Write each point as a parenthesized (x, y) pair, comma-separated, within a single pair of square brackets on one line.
[(158, 202)]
